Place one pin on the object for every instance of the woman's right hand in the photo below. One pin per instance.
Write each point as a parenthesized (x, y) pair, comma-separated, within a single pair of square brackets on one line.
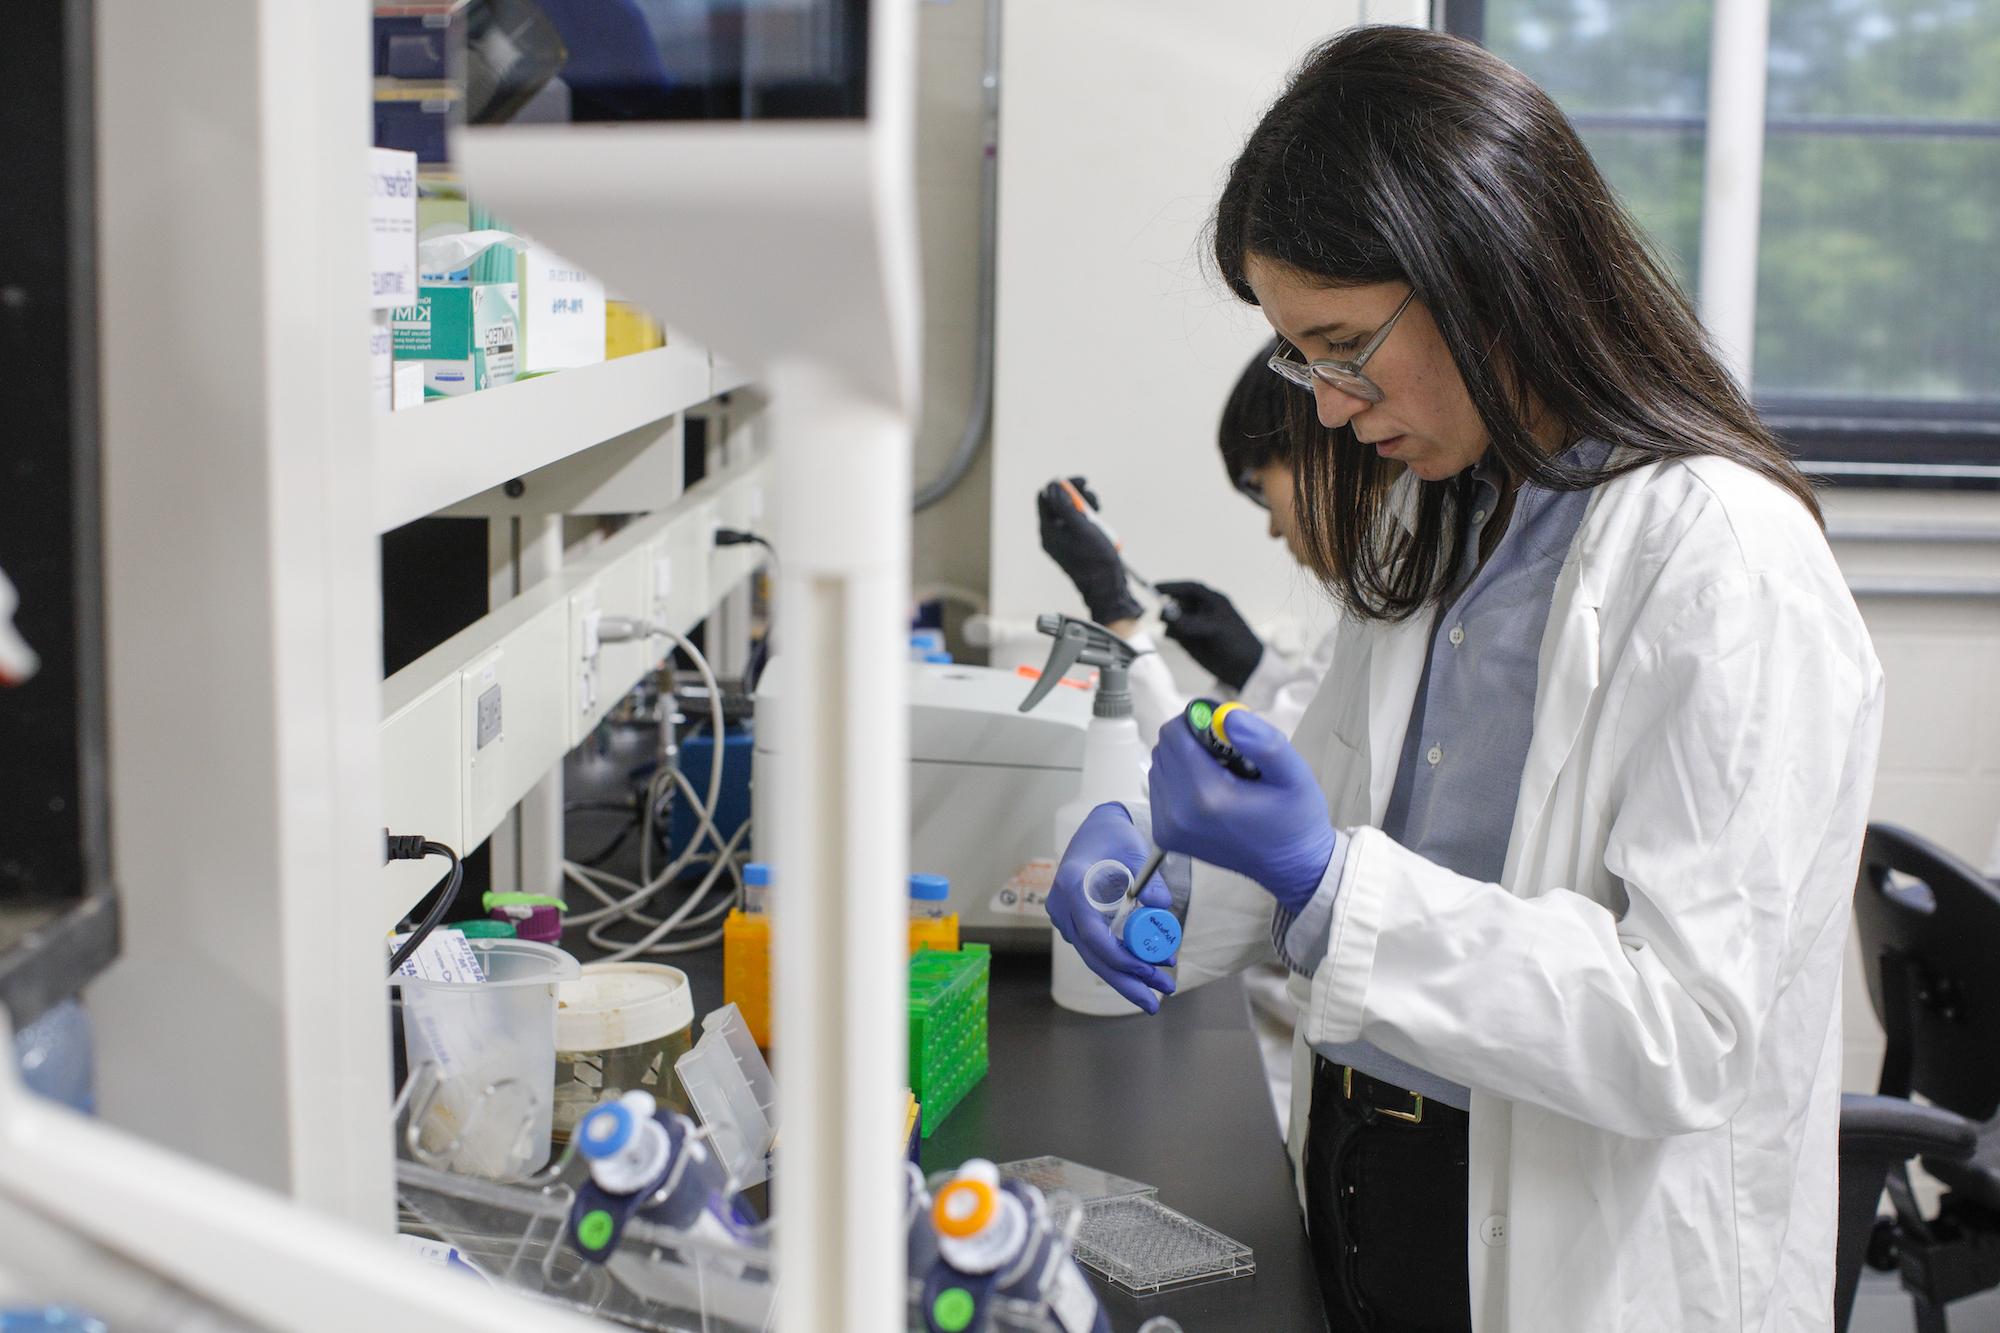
[(1107, 834)]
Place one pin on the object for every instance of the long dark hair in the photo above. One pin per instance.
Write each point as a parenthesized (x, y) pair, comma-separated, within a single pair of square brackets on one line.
[(1398, 154), (1257, 421)]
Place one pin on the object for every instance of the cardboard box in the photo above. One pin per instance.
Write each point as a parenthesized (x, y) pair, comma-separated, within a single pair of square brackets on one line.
[(466, 334), (392, 228), (629, 330), (381, 364)]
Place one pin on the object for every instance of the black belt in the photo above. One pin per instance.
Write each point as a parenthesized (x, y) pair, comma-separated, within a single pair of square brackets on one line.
[(1362, 1092)]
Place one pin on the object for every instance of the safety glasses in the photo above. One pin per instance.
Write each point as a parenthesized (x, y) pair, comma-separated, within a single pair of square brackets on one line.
[(1346, 376)]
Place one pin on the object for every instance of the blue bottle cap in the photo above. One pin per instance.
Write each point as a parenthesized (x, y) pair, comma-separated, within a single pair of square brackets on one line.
[(605, 1131), (756, 875), (930, 888), (1152, 934)]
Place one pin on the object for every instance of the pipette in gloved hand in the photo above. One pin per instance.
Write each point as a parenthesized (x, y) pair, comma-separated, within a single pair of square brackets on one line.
[(1089, 510), (1205, 719)]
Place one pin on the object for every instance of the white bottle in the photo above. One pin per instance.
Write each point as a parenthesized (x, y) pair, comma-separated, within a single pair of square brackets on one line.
[(1114, 769), (1114, 766)]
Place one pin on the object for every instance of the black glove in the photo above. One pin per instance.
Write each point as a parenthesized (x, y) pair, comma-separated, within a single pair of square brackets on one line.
[(1085, 553), (1214, 633)]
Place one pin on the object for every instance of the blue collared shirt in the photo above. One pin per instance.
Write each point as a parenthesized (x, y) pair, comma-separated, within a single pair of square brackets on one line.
[(1467, 742)]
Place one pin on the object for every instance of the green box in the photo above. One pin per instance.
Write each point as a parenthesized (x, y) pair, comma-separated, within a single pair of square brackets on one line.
[(466, 334)]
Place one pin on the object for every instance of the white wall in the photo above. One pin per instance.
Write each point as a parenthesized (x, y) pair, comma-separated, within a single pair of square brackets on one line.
[(1117, 344), (1940, 768), (949, 539)]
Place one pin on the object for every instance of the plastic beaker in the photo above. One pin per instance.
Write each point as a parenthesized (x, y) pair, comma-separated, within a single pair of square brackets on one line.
[(483, 1060), (619, 1028)]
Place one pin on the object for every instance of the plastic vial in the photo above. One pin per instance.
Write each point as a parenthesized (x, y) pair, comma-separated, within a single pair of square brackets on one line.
[(1106, 883), (928, 895), (756, 887)]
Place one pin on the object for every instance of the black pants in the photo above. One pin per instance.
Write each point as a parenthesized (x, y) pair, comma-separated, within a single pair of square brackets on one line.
[(1385, 1208)]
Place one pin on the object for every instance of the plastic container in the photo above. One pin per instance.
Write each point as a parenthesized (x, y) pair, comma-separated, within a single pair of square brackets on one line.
[(619, 1028), (483, 1060), (534, 916), (55, 1055), (928, 894), (746, 953), (734, 1095), (932, 926), (1142, 1245), (1114, 765), (756, 887), (484, 928), (948, 997), (1106, 883)]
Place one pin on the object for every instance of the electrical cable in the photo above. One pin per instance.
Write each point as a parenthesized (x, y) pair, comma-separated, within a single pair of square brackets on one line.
[(408, 847), (596, 881), (650, 943)]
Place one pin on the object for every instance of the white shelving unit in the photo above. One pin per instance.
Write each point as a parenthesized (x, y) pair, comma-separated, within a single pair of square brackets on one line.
[(241, 1032), (433, 456)]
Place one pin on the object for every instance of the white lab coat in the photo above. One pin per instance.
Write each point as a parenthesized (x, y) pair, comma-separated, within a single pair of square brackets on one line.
[(1646, 1007)]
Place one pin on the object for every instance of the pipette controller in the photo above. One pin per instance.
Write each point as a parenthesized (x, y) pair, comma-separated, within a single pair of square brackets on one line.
[(1205, 719)]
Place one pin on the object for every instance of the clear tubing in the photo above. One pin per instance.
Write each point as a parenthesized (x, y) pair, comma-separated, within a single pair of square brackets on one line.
[(1106, 883)]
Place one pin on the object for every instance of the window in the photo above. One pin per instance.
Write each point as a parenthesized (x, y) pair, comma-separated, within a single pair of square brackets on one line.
[(1878, 295)]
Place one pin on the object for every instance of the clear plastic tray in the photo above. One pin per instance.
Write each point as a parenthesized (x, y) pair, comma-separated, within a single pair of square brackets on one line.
[(659, 1280), (1141, 1245), (1086, 1184)]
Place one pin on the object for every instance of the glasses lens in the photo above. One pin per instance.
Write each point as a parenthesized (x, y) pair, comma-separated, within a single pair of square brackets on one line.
[(1252, 489), (1351, 382)]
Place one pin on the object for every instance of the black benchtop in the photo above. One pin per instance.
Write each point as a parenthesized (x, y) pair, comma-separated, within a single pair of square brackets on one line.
[(1177, 1100)]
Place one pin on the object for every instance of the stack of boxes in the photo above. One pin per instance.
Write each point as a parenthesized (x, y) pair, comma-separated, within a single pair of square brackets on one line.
[(511, 312)]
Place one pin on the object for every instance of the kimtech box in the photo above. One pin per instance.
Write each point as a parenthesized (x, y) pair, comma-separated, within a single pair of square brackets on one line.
[(466, 334)]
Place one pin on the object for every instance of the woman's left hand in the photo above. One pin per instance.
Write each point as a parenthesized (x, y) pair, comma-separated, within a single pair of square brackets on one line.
[(1273, 829)]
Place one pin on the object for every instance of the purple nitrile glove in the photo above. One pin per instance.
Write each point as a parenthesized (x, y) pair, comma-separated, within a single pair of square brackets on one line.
[(1273, 829), (1107, 834)]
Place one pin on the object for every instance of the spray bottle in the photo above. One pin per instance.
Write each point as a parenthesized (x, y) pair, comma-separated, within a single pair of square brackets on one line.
[(1114, 769)]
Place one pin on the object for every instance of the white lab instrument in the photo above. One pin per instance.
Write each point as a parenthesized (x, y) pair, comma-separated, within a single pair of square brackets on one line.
[(985, 783)]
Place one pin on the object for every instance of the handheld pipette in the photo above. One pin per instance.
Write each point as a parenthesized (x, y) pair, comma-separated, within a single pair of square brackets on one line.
[(1096, 520)]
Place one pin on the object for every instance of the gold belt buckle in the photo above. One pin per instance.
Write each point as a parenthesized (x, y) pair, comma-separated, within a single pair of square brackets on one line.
[(1413, 1116)]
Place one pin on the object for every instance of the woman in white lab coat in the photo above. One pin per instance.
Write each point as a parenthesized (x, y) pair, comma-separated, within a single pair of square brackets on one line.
[(1561, 855), (1253, 438)]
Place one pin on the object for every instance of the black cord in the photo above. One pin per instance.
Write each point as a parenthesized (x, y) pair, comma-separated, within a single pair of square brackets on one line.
[(400, 849), (740, 537)]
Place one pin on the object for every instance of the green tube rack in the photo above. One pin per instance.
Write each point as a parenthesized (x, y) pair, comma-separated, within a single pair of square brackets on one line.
[(947, 1027)]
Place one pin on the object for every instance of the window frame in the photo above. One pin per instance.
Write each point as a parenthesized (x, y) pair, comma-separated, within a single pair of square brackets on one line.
[(1878, 442)]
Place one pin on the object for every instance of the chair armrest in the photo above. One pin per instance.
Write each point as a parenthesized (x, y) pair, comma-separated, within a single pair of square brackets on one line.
[(1893, 1128)]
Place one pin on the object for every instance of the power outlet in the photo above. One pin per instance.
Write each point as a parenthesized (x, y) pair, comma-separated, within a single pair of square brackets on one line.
[(585, 620), (485, 740)]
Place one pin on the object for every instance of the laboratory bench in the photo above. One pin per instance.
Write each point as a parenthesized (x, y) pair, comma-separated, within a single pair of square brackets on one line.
[(1177, 1100)]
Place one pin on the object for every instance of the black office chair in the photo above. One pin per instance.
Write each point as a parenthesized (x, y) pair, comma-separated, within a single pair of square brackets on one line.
[(1929, 928), (1879, 1135)]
